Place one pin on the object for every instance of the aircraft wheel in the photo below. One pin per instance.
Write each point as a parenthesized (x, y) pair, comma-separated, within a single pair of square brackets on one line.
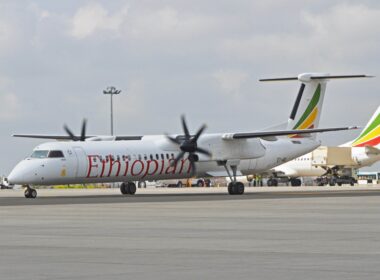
[(131, 188), (235, 188), (27, 193), (30, 193), (33, 193), (123, 188), (230, 188), (295, 182), (239, 187)]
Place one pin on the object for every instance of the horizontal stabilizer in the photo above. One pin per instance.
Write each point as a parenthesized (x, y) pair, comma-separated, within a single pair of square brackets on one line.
[(308, 77)]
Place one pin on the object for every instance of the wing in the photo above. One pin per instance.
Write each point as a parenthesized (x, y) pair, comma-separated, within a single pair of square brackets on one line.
[(271, 135), (41, 136), (88, 137)]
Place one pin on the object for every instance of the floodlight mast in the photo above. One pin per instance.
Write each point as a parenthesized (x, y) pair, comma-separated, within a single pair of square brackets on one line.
[(111, 91)]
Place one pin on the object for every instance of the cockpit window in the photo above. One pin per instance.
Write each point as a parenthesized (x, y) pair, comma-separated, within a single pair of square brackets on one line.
[(55, 154), (39, 154)]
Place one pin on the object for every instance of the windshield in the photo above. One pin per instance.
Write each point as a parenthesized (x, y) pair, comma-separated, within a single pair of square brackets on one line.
[(39, 154)]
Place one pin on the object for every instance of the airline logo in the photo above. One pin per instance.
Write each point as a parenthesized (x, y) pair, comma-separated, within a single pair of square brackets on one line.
[(369, 136), (136, 168), (310, 114)]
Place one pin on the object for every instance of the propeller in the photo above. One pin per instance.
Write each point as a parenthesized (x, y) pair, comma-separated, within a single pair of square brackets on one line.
[(188, 145), (73, 137)]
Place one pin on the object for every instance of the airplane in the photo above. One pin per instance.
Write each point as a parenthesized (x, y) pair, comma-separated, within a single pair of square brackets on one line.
[(364, 151), (127, 159)]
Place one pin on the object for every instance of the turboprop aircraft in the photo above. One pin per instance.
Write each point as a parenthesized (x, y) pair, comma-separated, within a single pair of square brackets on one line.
[(364, 151), (127, 159)]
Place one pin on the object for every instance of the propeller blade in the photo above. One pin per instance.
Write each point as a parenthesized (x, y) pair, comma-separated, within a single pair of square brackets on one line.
[(203, 151), (200, 131), (180, 155), (172, 139), (184, 126), (83, 132), (68, 131)]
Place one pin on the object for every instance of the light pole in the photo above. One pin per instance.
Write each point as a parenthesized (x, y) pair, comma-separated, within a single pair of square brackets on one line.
[(111, 91)]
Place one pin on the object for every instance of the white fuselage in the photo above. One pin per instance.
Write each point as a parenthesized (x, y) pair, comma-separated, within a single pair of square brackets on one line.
[(303, 166), (151, 158)]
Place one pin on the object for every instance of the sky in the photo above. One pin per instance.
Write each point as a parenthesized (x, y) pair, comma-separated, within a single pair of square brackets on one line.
[(198, 58)]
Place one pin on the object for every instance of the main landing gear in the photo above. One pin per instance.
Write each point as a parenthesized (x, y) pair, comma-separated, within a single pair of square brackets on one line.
[(128, 188), (29, 192), (234, 187)]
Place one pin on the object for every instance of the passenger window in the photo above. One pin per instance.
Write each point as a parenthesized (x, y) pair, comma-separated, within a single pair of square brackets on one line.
[(167, 156), (162, 156), (145, 157), (151, 157), (55, 154), (139, 157), (157, 157)]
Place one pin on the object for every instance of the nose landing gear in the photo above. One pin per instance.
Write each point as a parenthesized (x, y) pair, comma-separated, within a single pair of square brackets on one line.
[(30, 192)]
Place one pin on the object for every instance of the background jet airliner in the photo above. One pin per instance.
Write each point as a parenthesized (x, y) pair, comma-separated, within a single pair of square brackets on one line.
[(95, 159), (365, 151)]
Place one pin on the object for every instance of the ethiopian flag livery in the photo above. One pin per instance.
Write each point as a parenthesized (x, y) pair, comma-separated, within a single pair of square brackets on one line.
[(307, 107), (370, 136)]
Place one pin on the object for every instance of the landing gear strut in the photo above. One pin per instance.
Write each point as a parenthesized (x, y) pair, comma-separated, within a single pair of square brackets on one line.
[(234, 187), (128, 188), (29, 192)]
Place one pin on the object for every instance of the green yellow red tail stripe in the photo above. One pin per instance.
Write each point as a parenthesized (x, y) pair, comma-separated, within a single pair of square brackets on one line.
[(310, 115), (370, 136)]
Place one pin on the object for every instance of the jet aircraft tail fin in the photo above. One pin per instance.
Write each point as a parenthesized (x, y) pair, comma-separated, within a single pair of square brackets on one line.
[(370, 135)]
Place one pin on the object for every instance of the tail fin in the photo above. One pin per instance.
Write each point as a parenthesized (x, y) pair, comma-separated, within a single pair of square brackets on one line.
[(370, 136), (307, 108)]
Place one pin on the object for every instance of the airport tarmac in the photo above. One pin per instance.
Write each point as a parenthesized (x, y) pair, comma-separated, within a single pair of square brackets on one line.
[(197, 233)]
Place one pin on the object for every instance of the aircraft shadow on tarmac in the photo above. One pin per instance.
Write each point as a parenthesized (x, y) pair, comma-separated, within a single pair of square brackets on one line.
[(157, 198)]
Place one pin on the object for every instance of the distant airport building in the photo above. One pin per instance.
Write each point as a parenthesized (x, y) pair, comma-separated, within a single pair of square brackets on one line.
[(368, 177)]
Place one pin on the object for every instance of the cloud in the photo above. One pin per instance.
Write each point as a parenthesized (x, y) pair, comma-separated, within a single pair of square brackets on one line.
[(169, 22), (230, 81), (342, 34), (8, 36), (93, 18), (10, 107)]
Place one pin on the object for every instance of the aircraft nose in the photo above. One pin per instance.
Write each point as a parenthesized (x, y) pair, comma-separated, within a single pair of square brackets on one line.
[(16, 176)]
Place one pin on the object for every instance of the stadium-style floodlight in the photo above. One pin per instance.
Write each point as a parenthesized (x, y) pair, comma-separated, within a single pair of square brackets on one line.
[(111, 91)]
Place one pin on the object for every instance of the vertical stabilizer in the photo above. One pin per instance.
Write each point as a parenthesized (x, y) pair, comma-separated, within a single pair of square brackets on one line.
[(370, 136), (307, 108)]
